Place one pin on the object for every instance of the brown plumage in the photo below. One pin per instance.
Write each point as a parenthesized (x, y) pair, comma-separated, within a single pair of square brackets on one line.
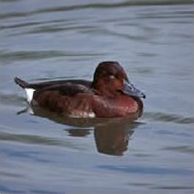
[(109, 94)]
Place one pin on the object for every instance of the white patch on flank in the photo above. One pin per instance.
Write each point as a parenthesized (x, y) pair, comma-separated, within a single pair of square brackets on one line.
[(91, 115), (29, 94), (83, 115)]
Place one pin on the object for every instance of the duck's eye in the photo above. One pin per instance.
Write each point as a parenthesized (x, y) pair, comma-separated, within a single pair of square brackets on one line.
[(112, 77)]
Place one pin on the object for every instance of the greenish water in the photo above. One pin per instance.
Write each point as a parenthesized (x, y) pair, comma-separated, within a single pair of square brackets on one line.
[(46, 40)]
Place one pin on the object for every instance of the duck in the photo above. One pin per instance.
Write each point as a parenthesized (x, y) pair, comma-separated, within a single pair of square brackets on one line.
[(110, 94)]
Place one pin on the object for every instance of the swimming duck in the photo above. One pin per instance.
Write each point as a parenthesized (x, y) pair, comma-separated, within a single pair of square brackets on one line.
[(110, 94)]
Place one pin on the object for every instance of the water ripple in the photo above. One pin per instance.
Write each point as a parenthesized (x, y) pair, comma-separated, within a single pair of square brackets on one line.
[(173, 187), (45, 54), (165, 117), (10, 99), (181, 149), (30, 139), (147, 170), (63, 8)]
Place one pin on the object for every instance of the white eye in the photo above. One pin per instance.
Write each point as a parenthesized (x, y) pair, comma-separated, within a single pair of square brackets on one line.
[(111, 76)]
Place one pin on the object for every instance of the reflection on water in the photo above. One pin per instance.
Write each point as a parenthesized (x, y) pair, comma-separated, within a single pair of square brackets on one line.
[(78, 132), (114, 137), (111, 135)]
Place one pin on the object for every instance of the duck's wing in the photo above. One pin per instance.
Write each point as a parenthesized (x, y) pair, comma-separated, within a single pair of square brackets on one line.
[(41, 85), (59, 83), (65, 88), (62, 87), (67, 98)]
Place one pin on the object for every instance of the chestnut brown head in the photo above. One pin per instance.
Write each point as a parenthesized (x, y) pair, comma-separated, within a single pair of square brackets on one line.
[(111, 79)]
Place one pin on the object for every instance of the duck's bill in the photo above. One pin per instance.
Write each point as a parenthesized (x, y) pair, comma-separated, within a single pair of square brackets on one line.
[(131, 90)]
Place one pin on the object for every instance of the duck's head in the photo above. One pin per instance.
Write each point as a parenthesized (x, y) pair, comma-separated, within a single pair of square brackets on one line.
[(110, 79)]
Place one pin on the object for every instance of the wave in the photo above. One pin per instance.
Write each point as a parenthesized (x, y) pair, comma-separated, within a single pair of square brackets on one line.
[(167, 117), (43, 54), (95, 5)]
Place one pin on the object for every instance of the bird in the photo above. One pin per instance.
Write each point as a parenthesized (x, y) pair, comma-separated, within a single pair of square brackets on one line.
[(110, 94)]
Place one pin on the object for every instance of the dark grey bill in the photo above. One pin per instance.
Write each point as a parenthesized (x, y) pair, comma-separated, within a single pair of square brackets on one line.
[(131, 90)]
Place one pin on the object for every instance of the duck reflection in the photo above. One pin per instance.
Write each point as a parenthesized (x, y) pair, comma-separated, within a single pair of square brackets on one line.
[(113, 138), (77, 132), (111, 135)]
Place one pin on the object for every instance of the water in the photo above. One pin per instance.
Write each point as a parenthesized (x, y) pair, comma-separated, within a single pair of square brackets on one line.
[(66, 39)]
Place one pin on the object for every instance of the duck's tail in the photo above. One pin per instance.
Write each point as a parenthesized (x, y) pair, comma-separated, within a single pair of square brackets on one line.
[(26, 86), (23, 84)]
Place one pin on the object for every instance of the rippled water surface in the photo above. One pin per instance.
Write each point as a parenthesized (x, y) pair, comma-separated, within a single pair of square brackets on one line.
[(44, 40)]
